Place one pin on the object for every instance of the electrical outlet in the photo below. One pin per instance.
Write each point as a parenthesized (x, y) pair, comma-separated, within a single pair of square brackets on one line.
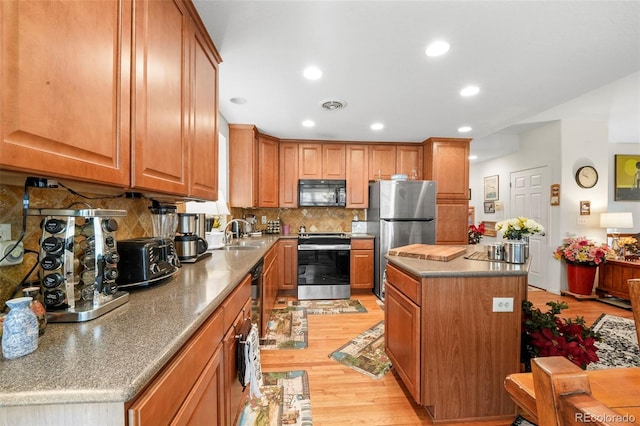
[(5, 231), (264, 220), (503, 304)]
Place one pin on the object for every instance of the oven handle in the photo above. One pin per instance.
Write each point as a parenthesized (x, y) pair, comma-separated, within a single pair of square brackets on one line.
[(332, 247)]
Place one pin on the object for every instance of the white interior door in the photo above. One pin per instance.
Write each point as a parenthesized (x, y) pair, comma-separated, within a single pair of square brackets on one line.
[(530, 198)]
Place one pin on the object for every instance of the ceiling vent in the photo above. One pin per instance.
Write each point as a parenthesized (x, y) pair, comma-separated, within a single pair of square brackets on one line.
[(333, 105)]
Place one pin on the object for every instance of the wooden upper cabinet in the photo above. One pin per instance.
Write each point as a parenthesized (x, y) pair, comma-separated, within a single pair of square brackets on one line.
[(268, 158), (310, 161), (161, 119), (409, 160), (382, 161), (288, 182), (243, 165), (333, 161), (357, 164), (446, 160), (66, 84), (203, 158)]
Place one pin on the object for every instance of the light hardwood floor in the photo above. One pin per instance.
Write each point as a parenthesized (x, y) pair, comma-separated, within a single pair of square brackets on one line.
[(342, 396)]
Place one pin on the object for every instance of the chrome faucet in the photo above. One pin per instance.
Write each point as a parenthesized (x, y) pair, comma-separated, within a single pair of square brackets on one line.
[(228, 235)]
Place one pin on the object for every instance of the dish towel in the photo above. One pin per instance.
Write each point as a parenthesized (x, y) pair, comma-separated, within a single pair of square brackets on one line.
[(253, 368)]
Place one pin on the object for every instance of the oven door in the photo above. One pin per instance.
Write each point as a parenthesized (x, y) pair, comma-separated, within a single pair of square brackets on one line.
[(324, 271)]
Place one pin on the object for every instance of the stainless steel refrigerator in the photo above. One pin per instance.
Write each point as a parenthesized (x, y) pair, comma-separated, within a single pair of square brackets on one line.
[(400, 213)]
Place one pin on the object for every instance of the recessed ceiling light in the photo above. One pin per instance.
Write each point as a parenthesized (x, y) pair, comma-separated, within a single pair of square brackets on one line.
[(437, 48), (464, 129), (470, 91), (377, 126), (308, 123), (238, 101), (473, 157), (312, 73)]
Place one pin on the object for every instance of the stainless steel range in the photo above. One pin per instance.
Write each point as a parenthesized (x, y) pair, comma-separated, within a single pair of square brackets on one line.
[(324, 265)]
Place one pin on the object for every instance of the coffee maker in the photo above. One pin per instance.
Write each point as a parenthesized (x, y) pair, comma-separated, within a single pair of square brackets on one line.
[(190, 241), (79, 263)]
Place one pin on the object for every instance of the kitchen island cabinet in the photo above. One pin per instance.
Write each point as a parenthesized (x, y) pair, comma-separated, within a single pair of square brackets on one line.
[(446, 343), (94, 372)]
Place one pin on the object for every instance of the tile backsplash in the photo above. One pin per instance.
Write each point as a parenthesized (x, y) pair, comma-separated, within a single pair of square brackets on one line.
[(137, 223)]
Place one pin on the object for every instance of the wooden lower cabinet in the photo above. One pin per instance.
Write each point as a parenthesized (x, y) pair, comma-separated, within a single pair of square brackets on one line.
[(361, 264), (199, 385), (288, 265), (449, 348), (613, 277), (270, 277)]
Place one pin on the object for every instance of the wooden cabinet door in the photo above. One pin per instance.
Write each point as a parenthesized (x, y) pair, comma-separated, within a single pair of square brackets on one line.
[(268, 157), (270, 276), (310, 161), (205, 402), (203, 158), (382, 161), (243, 165), (451, 226), (288, 264), (66, 85), (402, 338), (333, 161), (361, 269), (357, 167), (447, 162), (288, 182), (409, 160), (234, 393), (161, 93)]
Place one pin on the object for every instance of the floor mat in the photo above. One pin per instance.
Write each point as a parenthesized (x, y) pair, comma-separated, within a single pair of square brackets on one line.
[(619, 344), (365, 353), (285, 401), (339, 306), (287, 329)]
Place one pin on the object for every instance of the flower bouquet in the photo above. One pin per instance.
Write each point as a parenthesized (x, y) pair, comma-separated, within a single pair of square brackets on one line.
[(582, 251), (628, 244), (518, 227), (544, 334), (475, 233)]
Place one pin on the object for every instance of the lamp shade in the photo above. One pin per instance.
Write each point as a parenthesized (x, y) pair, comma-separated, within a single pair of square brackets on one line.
[(616, 220)]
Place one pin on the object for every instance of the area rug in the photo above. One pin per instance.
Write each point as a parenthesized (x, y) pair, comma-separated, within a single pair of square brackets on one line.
[(365, 353), (287, 329), (285, 401), (340, 306), (619, 344)]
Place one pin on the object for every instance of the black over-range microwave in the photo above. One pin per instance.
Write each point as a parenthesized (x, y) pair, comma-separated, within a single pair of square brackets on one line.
[(322, 193)]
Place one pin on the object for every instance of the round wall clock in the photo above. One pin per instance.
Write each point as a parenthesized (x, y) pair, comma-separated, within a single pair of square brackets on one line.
[(586, 177)]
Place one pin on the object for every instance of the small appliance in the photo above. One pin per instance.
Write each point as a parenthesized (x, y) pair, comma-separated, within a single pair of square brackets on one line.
[(191, 244), (146, 261), (78, 263)]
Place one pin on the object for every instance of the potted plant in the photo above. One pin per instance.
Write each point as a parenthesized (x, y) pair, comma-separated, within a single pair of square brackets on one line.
[(544, 334), (582, 257), (475, 233)]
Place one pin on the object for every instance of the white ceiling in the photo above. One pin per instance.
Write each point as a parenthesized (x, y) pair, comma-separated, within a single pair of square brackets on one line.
[(531, 60)]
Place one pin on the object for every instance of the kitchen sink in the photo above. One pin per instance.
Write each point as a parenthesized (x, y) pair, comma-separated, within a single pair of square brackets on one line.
[(239, 247)]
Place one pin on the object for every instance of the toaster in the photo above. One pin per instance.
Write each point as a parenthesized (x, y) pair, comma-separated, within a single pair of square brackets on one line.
[(144, 261)]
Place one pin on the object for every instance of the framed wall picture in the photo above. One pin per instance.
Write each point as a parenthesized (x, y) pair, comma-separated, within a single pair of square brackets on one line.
[(489, 206), (472, 216), (627, 178), (489, 228), (491, 189), (554, 195), (585, 208)]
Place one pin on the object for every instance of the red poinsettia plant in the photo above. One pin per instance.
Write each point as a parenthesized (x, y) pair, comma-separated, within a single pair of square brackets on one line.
[(544, 334), (475, 233)]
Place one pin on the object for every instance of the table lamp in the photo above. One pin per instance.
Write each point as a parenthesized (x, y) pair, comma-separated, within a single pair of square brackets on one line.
[(616, 221)]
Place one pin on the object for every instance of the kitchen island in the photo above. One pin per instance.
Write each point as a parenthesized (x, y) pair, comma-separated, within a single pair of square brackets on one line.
[(452, 332), (88, 373)]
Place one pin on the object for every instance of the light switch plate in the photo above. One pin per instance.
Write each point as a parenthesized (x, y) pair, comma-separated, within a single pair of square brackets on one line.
[(503, 304)]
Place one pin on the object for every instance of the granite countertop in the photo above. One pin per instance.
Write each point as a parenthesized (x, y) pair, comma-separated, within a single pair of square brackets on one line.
[(111, 358), (459, 266)]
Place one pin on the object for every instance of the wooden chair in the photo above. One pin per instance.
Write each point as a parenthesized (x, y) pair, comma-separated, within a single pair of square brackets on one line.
[(563, 396), (634, 294)]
